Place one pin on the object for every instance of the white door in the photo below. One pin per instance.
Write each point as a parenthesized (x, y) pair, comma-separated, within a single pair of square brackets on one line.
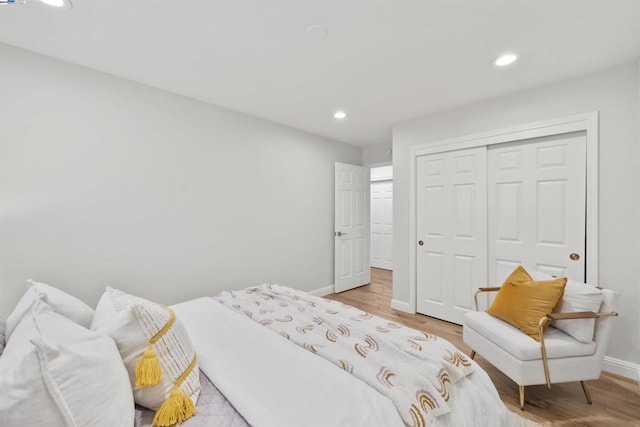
[(382, 224), (352, 262), (537, 194), (452, 231)]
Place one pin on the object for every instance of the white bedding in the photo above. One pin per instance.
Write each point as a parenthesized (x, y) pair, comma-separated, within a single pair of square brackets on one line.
[(274, 383)]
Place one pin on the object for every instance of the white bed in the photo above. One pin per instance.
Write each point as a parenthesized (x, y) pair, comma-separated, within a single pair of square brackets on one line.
[(252, 374), (273, 382)]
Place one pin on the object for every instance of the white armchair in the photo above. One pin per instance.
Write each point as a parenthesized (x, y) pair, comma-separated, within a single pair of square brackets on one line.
[(557, 358)]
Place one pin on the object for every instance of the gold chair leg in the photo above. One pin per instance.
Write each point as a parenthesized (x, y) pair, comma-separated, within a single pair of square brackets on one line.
[(521, 390), (473, 354), (586, 391), (543, 350)]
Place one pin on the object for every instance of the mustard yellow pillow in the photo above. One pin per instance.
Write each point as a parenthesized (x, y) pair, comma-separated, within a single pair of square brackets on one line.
[(519, 275), (523, 304)]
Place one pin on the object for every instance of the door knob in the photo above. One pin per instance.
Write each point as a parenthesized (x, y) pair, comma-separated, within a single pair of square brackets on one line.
[(340, 233), (421, 243), (574, 256)]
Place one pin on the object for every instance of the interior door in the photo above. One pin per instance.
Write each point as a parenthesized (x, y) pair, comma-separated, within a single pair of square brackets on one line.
[(452, 231), (382, 224), (352, 261), (537, 195)]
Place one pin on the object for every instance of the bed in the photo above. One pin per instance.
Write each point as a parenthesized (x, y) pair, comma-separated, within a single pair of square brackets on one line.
[(272, 381), (270, 356)]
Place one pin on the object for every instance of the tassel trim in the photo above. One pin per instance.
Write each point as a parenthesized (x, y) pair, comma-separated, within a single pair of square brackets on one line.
[(178, 407), (148, 370)]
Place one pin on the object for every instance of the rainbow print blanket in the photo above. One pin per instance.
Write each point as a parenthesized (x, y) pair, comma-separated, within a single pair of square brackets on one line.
[(413, 369)]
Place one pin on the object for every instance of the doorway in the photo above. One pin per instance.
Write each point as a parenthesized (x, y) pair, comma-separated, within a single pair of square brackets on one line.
[(382, 217)]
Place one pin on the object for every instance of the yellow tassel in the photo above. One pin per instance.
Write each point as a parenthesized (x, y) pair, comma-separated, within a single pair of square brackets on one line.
[(148, 370), (176, 409)]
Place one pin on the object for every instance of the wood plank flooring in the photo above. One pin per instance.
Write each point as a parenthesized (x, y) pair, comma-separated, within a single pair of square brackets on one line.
[(616, 400)]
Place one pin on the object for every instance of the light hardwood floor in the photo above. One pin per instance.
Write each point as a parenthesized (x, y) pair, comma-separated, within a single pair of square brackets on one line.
[(616, 401)]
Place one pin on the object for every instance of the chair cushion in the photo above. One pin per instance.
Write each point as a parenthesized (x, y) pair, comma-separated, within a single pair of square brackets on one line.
[(524, 303), (521, 346), (577, 297)]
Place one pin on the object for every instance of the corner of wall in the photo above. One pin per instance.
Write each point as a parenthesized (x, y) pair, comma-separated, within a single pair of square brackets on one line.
[(638, 198), (377, 155), (321, 292)]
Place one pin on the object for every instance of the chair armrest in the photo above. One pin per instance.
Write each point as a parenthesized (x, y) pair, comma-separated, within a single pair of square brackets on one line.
[(490, 289), (579, 315), (575, 315)]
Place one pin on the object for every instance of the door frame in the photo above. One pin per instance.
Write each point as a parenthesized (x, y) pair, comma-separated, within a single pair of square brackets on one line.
[(587, 122)]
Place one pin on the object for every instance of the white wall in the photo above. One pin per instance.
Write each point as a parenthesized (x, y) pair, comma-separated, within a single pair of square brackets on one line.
[(108, 182), (615, 95), (379, 154)]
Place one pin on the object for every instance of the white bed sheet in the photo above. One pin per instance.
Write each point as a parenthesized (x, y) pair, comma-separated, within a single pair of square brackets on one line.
[(273, 382)]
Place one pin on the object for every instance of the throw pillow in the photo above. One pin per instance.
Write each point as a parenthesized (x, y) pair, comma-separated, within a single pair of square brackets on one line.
[(577, 297), (54, 372), (519, 275), (157, 352), (59, 301), (523, 304)]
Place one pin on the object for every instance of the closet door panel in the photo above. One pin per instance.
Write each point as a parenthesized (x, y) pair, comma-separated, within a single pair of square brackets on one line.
[(451, 232), (536, 206)]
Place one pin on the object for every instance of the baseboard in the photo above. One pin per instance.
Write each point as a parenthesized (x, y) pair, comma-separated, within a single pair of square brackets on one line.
[(622, 368), (401, 306), (323, 291)]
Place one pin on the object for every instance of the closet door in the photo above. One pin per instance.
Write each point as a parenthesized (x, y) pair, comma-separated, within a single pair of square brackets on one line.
[(451, 236), (382, 224), (536, 206)]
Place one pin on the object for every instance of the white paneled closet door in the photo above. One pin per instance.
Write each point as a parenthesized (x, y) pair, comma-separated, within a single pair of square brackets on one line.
[(451, 231), (382, 224), (536, 206)]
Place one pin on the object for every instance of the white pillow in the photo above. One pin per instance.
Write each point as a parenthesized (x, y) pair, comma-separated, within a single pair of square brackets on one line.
[(54, 372), (132, 322), (59, 301), (577, 297)]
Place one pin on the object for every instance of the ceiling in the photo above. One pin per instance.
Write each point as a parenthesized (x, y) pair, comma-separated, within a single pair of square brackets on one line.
[(383, 62)]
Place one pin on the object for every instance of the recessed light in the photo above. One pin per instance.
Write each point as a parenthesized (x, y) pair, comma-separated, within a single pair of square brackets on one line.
[(339, 115), (506, 59), (58, 3)]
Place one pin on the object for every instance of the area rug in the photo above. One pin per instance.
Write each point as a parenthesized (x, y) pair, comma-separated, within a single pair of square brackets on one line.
[(518, 420)]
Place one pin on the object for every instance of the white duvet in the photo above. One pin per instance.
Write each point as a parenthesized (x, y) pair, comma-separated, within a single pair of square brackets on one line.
[(273, 382)]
